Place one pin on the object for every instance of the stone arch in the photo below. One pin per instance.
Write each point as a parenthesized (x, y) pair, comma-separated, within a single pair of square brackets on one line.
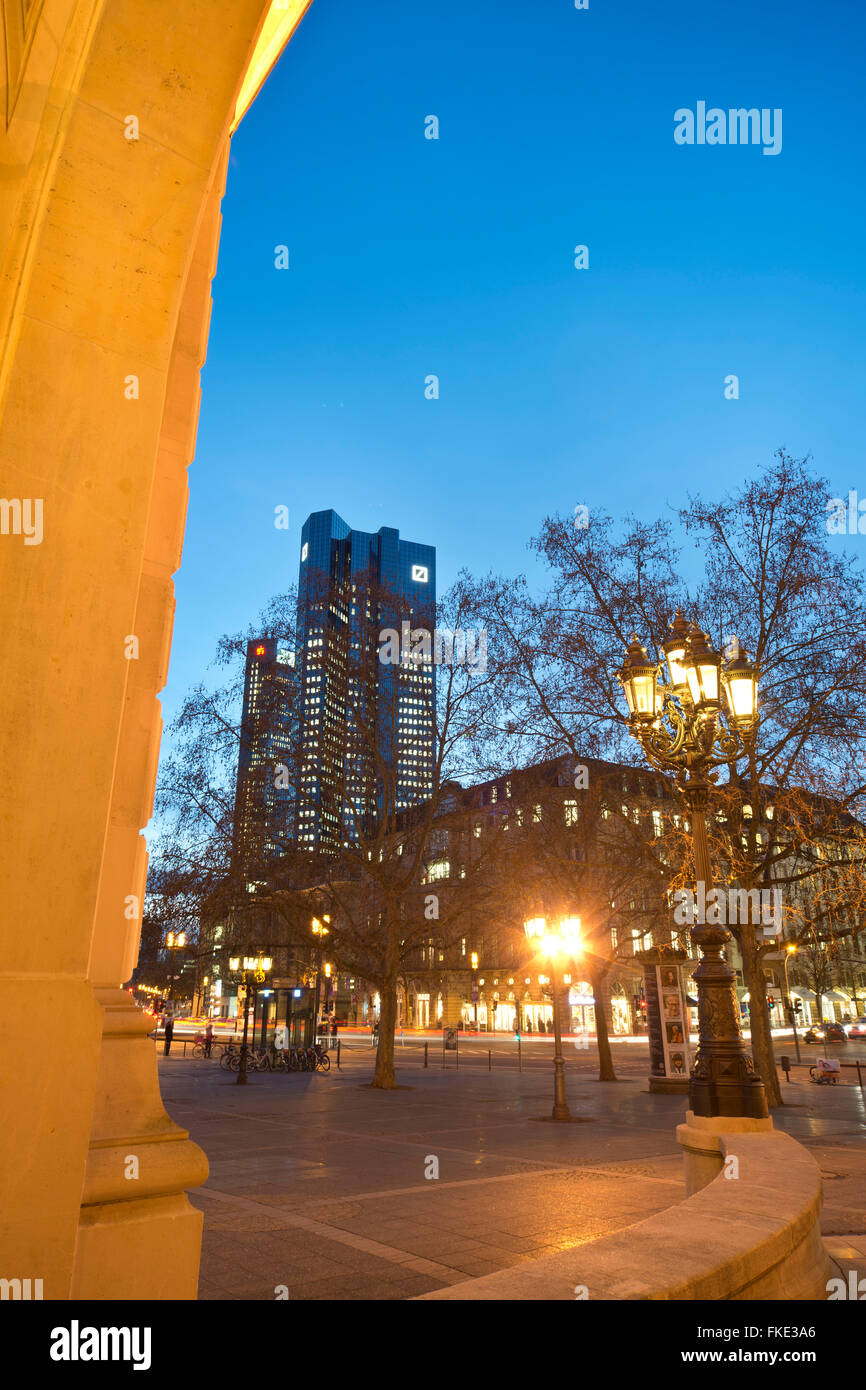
[(109, 247)]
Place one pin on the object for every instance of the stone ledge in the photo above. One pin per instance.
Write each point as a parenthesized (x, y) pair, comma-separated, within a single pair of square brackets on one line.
[(757, 1232)]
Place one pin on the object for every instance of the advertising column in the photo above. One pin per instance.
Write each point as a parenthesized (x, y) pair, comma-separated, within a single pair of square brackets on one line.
[(667, 1022)]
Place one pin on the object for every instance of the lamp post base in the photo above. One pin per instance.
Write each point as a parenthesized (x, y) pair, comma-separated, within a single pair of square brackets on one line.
[(727, 1097), (723, 1079)]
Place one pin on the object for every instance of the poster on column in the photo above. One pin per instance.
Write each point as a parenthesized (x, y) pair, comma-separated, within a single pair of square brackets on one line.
[(674, 1021)]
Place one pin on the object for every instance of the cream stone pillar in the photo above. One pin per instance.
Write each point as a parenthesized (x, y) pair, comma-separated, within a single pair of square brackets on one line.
[(109, 244), (137, 1217)]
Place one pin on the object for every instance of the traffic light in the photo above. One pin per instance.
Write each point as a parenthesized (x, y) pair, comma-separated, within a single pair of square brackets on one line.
[(798, 1006)]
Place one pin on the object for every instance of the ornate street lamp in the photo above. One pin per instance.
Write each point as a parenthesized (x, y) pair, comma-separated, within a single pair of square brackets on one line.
[(703, 717), (258, 967), (791, 950), (175, 941), (562, 941), (320, 931)]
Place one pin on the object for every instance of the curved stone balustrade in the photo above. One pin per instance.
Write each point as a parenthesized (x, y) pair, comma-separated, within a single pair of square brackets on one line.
[(751, 1236)]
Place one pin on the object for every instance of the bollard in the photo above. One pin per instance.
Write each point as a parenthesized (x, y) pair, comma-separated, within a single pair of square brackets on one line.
[(338, 1054), (519, 1055), (489, 1060), (859, 1075), (785, 1064), (426, 1045)]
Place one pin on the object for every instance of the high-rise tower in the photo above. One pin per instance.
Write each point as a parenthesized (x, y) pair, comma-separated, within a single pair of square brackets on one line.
[(265, 794), (366, 725)]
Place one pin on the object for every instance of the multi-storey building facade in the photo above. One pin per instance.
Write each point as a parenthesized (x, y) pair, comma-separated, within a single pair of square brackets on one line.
[(265, 794), (487, 978), (559, 857), (366, 733)]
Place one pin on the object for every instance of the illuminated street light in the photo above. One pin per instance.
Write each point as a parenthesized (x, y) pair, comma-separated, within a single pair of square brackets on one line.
[(174, 942), (791, 950), (258, 967), (563, 940), (704, 717), (319, 930)]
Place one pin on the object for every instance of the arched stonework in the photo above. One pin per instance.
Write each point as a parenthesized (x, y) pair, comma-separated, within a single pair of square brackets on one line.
[(109, 247)]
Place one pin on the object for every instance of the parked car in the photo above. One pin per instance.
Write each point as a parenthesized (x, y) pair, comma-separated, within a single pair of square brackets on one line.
[(857, 1029), (825, 1032)]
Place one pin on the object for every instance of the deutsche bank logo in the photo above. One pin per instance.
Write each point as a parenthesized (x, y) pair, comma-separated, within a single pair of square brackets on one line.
[(420, 574)]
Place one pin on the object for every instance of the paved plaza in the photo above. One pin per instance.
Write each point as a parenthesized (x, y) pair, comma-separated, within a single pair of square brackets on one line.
[(318, 1183)]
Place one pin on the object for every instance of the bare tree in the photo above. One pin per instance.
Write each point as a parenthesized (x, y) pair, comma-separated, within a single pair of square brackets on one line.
[(366, 775), (770, 576), (579, 852)]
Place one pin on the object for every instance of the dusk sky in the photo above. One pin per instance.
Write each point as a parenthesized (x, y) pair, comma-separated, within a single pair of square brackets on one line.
[(454, 257)]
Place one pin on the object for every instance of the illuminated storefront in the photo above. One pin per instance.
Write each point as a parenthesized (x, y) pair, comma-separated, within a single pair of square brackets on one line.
[(582, 1005), (620, 1014)]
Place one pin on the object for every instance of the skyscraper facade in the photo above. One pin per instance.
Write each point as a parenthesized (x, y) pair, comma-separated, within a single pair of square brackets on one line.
[(366, 725), (265, 796)]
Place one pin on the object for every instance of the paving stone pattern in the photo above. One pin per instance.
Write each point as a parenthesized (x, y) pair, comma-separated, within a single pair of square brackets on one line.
[(317, 1182)]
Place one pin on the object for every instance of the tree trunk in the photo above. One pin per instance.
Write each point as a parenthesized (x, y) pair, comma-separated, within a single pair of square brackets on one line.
[(759, 1019), (383, 1077), (605, 1056)]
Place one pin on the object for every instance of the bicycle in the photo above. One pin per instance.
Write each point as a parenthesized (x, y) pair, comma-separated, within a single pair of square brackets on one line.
[(321, 1060), (254, 1060), (230, 1055)]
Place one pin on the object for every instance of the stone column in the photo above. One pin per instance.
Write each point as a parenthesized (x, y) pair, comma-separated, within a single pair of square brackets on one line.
[(126, 1219), (109, 246)]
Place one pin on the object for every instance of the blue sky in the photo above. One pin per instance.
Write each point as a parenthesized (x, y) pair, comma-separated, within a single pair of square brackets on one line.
[(455, 257)]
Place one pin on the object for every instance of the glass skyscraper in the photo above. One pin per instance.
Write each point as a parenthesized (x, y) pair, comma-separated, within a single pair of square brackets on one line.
[(265, 795), (366, 721)]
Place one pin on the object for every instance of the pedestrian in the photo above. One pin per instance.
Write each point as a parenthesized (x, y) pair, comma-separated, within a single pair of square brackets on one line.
[(334, 1026), (169, 1033), (208, 1039)]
